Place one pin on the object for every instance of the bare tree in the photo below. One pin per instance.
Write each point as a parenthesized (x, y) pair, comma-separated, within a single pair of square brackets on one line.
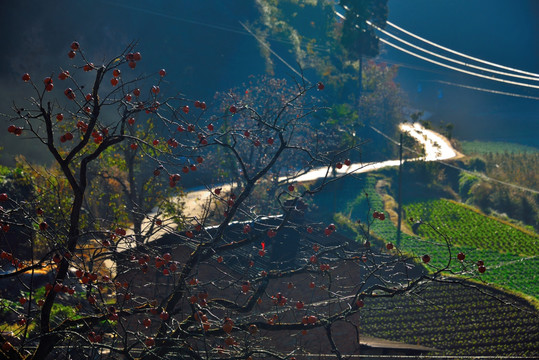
[(235, 279)]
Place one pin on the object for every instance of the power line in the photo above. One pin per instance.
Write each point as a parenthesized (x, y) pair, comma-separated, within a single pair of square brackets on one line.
[(318, 47), (456, 68), (448, 58), (487, 90), (273, 52), (213, 25), (449, 66), (459, 53)]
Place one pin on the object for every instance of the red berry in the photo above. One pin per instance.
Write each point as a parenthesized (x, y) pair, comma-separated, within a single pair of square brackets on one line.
[(210, 127), (63, 75), (482, 269), (71, 54), (26, 77), (461, 256), (389, 246), (147, 322), (480, 263), (69, 93), (132, 64), (128, 97), (233, 109), (88, 67), (347, 162), (162, 72), (185, 109), (155, 89), (75, 46), (137, 56), (338, 165), (131, 121), (426, 258), (320, 86), (11, 129), (114, 81), (60, 117), (200, 159), (136, 92), (134, 146), (149, 342), (116, 72), (290, 188)]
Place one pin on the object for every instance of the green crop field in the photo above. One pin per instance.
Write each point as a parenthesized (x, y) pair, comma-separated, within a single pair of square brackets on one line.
[(465, 318), (511, 255), (466, 227), (484, 147)]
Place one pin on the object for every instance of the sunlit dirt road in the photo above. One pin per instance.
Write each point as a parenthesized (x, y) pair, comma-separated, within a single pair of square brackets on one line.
[(436, 146)]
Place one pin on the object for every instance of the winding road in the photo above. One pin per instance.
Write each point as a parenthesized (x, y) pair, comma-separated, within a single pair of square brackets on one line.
[(436, 146)]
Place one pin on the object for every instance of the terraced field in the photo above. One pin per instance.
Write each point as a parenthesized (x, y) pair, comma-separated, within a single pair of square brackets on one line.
[(511, 255), (457, 320), (465, 319)]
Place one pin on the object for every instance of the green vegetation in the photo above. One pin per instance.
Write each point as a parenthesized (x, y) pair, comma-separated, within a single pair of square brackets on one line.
[(510, 253), (485, 147), (466, 227), (519, 170), (465, 317)]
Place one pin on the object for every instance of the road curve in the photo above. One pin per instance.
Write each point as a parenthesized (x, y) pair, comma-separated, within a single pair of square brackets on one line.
[(436, 146)]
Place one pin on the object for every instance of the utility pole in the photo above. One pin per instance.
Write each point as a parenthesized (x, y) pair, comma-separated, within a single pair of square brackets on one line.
[(399, 211)]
